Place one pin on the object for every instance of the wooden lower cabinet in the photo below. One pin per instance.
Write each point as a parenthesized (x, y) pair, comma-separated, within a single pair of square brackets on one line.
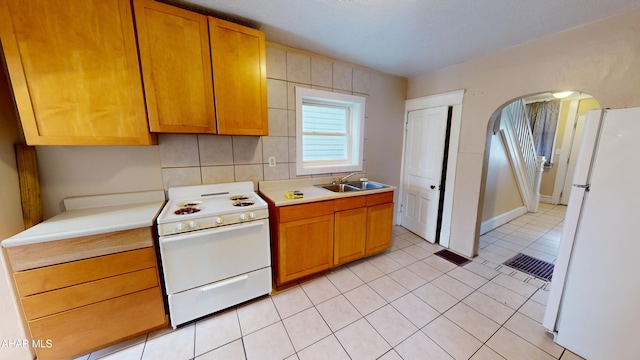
[(309, 238), (379, 227), (76, 307), (350, 229), (306, 247), (91, 327)]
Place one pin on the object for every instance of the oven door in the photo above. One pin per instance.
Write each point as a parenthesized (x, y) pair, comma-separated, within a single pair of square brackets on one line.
[(205, 256)]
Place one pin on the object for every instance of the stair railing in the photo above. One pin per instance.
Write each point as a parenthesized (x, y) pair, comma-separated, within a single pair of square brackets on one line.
[(518, 139)]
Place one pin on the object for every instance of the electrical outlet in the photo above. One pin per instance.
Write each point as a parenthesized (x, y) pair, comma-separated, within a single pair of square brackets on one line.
[(272, 161)]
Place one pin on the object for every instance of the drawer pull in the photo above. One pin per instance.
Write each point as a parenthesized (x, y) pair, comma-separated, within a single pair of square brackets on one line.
[(224, 283)]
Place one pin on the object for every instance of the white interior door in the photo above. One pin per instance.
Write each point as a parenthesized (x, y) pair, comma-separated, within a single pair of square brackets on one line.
[(573, 156), (422, 173)]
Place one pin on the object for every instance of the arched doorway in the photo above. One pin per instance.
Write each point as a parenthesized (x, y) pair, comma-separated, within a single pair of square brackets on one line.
[(507, 226)]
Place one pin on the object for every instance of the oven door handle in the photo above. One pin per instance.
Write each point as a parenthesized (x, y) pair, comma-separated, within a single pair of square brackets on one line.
[(224, 283), (214, 231)]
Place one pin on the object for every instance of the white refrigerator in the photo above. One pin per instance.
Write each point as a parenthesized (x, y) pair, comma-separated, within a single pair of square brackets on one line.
[(594, 303)]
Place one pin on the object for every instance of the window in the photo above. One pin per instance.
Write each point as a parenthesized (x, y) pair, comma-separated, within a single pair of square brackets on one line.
[(329, 132), (543, 118)]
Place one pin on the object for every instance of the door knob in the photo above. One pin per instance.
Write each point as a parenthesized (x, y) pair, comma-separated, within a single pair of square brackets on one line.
[(433, 187)]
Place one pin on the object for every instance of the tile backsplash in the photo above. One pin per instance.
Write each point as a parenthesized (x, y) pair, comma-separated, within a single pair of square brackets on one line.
[(192, 159)]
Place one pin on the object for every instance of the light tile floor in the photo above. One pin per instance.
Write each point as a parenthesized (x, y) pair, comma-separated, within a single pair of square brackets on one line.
[(403, 304)]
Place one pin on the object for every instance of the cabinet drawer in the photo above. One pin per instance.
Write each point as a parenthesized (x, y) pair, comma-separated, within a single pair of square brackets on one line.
[(305, 211), (58, 276), (72, 297), (82, 330), (381, 198), (351, 202)]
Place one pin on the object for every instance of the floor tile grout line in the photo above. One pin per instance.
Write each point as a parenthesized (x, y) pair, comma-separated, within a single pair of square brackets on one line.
[(518, 335), (387, 302)]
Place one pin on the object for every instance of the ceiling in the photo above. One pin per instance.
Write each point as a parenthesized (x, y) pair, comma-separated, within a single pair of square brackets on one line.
[(408, 37)]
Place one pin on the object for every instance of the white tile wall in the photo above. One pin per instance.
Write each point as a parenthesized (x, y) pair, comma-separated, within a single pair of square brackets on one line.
[(189, 159)]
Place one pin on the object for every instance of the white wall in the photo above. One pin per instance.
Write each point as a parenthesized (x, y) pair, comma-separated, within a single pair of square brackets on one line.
[(385, 129), (67, 171), (501, 193), (600, 59)]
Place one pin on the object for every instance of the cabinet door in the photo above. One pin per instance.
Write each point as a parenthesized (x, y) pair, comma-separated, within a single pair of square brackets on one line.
[(379, 227), (239, 78), (74, 69), (305, 247), (350, 235), (176, 68)]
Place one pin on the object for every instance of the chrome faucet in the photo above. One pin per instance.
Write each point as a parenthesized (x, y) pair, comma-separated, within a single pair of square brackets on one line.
[(344, 179)]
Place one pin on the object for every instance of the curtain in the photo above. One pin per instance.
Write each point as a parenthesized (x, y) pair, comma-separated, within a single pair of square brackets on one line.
[(543, 118)]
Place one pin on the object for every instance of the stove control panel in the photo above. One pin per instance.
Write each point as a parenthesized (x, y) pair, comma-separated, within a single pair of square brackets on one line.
[(178, 227)]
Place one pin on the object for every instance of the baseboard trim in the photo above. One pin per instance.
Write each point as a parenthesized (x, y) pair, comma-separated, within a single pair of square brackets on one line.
[(550, 199), (502, 219)]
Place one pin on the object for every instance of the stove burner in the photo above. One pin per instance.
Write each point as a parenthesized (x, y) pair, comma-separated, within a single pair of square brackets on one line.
[(243, 203), (186, 210), (239, 197), (191, 203)]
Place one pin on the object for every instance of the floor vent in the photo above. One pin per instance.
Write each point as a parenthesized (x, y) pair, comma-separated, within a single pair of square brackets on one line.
[(453, 257), (532, 266)]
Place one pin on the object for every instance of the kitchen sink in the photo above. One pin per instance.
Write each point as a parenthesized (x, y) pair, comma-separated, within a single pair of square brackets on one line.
[(339, 187), (365, 185), (352, 186)]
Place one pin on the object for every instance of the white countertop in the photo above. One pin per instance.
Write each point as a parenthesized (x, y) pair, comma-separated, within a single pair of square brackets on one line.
[(91, 215), (275, 190)]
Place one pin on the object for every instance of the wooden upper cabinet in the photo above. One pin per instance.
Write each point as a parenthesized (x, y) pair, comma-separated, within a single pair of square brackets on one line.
[(73, 66), (176, 68), (239, 78)]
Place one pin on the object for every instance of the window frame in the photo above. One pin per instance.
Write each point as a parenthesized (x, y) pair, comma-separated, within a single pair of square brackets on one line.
[(355, 133)]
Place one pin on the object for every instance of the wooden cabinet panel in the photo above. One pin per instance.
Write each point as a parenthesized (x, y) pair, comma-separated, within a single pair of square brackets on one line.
[(43, 279), (381, 198), (305, 247), (350, 235), (72, 297), (176, 67), (238, 54), (379, 228), (82, 330), (352, 202), (74, 70), (60, 251), (305, 211)]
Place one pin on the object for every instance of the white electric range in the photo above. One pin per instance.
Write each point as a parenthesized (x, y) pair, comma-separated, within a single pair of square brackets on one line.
[(214, 248)]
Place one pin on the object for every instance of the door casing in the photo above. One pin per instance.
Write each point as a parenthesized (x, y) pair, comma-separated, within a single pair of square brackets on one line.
[(453, 99)]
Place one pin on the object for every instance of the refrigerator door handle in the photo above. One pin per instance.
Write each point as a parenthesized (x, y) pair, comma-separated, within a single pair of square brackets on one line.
[(586, 187)]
